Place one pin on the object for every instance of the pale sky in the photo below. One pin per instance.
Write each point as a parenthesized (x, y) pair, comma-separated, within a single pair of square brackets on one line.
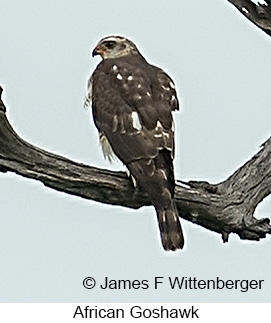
[(51, 241)]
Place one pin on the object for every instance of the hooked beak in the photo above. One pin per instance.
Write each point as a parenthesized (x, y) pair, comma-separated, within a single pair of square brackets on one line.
[(97, 51)]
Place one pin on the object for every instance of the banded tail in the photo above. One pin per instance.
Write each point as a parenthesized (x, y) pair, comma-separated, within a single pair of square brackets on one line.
[(170, 227)]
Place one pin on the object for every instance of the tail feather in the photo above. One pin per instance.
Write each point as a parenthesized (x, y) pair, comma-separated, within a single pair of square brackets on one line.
[(170, 228), (156, 178)]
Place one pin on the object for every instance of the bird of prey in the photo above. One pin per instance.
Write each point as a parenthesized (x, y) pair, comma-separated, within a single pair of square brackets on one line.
[(132, 103)]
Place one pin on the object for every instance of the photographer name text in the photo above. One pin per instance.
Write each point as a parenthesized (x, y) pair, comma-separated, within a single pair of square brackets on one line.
[(182, 283)]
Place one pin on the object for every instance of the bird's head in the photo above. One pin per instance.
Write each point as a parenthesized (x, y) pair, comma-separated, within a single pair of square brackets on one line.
[(114, 47)]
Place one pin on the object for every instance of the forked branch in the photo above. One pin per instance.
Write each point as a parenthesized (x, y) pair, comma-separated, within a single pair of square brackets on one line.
[(224, 208)]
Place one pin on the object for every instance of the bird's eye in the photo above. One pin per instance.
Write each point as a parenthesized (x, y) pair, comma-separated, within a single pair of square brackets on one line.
[(110, 44)]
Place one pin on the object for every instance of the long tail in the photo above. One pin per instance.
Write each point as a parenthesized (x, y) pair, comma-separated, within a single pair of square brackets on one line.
[(156, 178), (170, 227)]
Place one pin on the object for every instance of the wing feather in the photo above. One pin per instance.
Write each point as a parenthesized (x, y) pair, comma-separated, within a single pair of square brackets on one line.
[(119, 93)]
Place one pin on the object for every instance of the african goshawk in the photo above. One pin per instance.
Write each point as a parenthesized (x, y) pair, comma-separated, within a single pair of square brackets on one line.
[(132, 103)]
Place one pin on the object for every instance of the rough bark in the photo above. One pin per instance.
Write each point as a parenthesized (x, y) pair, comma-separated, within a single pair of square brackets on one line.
[(224, 208), (259, 14)]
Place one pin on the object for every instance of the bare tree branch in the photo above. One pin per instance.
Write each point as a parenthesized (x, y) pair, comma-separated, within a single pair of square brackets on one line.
[(259, 14), (224, 208)]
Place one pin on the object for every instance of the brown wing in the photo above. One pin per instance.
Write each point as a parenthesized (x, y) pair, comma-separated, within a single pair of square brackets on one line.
[(132, 106)]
